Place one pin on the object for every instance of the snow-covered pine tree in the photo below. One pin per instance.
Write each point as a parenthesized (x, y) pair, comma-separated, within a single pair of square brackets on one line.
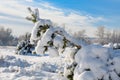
[(24, 47), (54, 40), (89, 63)]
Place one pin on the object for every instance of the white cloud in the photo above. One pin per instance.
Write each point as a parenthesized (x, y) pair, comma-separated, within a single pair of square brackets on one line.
[(29, 0), (72, 20), (48, 6)]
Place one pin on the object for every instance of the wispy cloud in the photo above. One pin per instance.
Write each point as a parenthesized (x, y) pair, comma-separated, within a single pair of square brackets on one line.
[(29, 0), (9, 10)]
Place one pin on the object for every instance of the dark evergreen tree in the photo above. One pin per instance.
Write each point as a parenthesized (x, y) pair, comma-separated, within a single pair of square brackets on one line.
[(24, 48)]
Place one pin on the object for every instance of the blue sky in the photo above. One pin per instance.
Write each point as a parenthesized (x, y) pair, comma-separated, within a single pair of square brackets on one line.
[(75, 14), (95, 7), (108, 9)]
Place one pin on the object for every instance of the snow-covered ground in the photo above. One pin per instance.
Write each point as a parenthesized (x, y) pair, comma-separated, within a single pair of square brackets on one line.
[(30, 67), (21, 67)]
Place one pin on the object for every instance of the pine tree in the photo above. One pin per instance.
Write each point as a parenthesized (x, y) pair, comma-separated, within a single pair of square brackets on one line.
[(82, 62), (24, 47), (54, 40)]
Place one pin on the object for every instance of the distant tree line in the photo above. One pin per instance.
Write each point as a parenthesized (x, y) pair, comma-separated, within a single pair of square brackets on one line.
[(7, 39), (107, 36), (103, 35)]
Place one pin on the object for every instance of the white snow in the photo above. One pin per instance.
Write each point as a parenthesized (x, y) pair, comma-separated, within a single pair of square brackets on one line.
[(109, 45), (53, 52), (69, 54), (97, 62), (94, 62), (87, 75), (116, 61), (58, 41), (19, 67), (44, 41), (35, 29)]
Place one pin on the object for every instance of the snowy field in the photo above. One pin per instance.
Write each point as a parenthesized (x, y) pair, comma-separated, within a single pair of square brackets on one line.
[(20, 67), (29, 67)]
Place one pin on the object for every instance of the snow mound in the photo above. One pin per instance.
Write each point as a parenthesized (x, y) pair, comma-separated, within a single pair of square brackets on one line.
[(97, 63), (19, 67), (6, 61), (53, 52)]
